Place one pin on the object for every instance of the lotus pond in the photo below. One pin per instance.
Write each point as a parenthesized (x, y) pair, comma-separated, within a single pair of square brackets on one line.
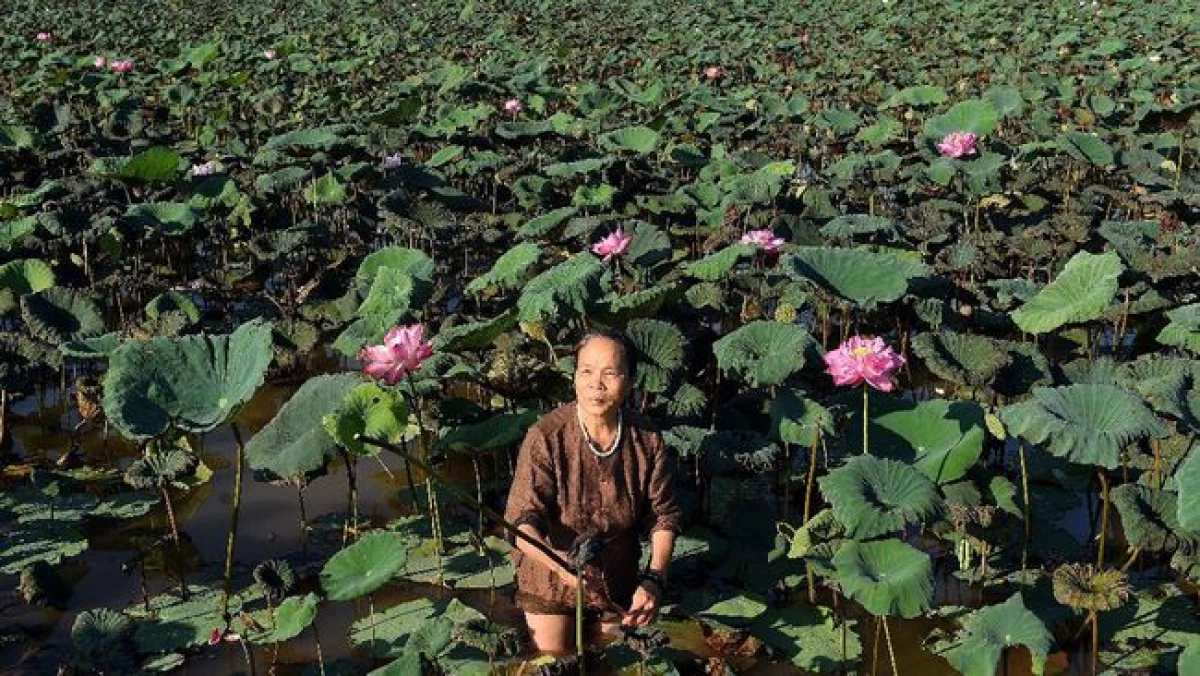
[(208, 210)]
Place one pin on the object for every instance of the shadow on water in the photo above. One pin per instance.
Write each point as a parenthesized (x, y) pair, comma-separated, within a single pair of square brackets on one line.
[(104, 576)]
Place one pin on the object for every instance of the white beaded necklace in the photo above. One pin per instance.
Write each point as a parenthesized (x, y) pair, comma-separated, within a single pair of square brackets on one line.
[(591, 444)]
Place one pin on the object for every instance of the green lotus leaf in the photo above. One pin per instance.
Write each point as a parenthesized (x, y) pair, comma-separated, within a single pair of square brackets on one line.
[(1150, 519), (102, 640), (282, 180), (1086, 148), (862, 276), (888, 577), (1189, 659), (883, 130), (1028, 368), (716, 266), (364, 566), (987, 632), (1081, 292), (194, 383), (467, 563), (962, 358), (858, 224), (568, 289), (291, 618), (1183, 331), (473, 336), (16, 137), (326, 189), (13, 233), (660, 350), (875, 496), (811, 637), (58, 315), (386, 634), (1187, 479), (412, 262), (173, 623), (758, 187), (173, 301), (943, 439), (737, 611), (650, 245), (796, 419), (569, 169), (1167, 384), (1163, 614), (168, 218), (26, 276), (152, 164), (510, 270), (524, 128), (625, 307), (594, 196), (542, 225), (637, 139), (45, 540), (408, 664), (314, 138), (920, 95), (764, 353), (295, 443), (1088, 424), (978, 116), (500, 431)]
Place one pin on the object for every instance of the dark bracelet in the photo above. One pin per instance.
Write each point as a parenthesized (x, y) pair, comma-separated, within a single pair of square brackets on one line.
[(651, 576)]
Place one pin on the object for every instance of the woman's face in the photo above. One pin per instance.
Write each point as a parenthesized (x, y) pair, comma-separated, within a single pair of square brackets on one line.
[(601, 382)]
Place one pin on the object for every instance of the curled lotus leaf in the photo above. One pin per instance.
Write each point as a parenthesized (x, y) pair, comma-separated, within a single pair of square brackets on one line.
[(102, 639), (660, 350), (58, 315), (1088, 423), (961, 358), (987, 632), (875, 496), (159, 469), (765, 353), (888, 577), (194, 383), (1184, 328), (1084, 587), (1150, 519)]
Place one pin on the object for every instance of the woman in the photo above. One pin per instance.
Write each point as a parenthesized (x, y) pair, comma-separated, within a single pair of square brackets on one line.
[(591, 468)]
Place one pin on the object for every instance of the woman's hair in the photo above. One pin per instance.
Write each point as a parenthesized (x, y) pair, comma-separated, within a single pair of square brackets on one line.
[(628, 351)]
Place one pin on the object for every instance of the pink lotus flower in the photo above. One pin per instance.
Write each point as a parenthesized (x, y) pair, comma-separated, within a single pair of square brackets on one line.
[(401, 353), (513, 106), (44, 37), (100, 63), (957, 144), (270, 54), (714, 73), (613, 245), (393, 161), (764, 239), (860, 359), (206, 169), (214, 637), (121, 66)]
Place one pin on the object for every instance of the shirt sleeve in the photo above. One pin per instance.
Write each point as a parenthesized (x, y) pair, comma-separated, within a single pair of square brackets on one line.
[(531, 497), (664, 511)]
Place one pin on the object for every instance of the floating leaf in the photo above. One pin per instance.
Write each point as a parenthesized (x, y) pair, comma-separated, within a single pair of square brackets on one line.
[(875, 496), (292, 617), (1081, 292), (888, 577), (364, 566), (1089, 424)]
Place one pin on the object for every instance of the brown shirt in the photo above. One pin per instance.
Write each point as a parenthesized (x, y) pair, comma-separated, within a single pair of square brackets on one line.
[(565, 490)]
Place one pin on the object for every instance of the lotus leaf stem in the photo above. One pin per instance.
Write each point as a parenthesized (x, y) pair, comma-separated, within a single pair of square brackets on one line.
[(317, 642), (303, 522), (166, 497), (1095, 642), (233, 519), (1025, 506), (351, 525), (887, 634), (1103, 518), (433, 512), (866, 391), (1133, 555)]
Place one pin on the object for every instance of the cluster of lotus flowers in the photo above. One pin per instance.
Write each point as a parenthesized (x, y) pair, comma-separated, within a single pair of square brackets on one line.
[(119, 66)]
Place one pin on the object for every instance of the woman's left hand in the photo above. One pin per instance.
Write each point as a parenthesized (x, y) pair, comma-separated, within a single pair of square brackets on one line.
[(645, 605)]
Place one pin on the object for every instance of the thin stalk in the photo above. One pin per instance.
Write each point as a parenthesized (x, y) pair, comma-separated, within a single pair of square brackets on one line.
[(1132, 557), (320, 654), (303, 522), (1025, 505), (166, 497), (875, 647), (891, 651), (808, 489), (436, 518), (478, 488), (3, 413), (1103, 518), (233, 519), (1095, 642), (351, 498), (865, 447)]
